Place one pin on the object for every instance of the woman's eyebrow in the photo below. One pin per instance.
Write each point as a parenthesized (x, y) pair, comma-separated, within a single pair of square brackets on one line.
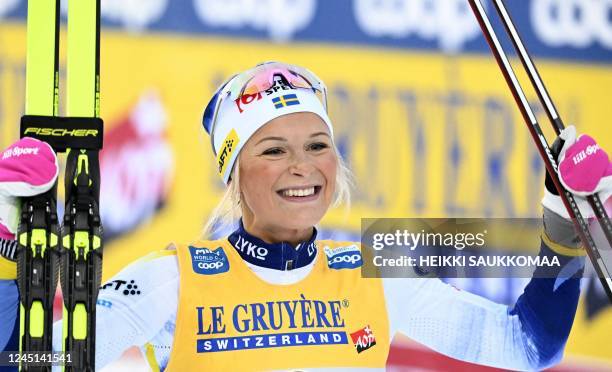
[(319, 134), (271, 139), (283, 139)]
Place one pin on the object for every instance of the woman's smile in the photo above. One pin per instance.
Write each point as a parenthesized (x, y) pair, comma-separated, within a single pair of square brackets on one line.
[(300, 194)]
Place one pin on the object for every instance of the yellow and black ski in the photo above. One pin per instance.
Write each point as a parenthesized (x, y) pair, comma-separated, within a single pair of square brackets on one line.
[(78, 243), (38, 232), (81, 266)]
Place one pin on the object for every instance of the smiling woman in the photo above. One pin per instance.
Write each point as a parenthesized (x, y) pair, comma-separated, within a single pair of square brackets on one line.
[(301, 174), (263, 297), (289, 149), (276, 151)]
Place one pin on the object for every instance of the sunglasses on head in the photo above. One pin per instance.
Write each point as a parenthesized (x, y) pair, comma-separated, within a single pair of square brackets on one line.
[(259, 79)]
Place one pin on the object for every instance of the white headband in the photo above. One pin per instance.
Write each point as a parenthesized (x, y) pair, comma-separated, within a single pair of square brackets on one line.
[(238, 119)]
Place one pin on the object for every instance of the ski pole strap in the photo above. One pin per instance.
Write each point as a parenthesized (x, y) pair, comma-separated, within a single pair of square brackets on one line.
[(64, 133)]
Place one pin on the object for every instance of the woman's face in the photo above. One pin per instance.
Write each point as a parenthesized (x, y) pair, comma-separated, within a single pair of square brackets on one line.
[(287, 174)]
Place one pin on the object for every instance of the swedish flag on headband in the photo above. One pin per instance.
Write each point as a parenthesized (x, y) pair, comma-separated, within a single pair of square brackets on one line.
[(286, 100)]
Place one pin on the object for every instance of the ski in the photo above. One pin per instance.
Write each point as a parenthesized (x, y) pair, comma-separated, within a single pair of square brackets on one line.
[(38, 231), (76, 247), (596, 255), (551, 111), (81, 266)]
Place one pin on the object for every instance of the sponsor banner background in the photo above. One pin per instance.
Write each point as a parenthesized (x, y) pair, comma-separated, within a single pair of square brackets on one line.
[(575, 30), (427, 134)]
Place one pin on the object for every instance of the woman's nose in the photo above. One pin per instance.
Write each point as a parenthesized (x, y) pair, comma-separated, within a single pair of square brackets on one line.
[(301, 165)]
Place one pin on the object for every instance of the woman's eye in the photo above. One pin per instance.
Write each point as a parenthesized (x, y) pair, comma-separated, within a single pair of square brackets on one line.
[(318, 146), (273, 151)]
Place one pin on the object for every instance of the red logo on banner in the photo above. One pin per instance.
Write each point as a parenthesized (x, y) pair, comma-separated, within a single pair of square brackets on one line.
[(137, 166), (363, 339)]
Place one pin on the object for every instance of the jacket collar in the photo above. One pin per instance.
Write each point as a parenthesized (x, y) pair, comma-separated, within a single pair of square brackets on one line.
[(278, 256)]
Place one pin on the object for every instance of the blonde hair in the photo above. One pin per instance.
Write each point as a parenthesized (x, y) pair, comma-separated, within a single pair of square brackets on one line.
[(228, 211)]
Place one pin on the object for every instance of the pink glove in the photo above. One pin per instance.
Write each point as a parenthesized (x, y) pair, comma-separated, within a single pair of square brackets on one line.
[(27, 168), (584, 169)]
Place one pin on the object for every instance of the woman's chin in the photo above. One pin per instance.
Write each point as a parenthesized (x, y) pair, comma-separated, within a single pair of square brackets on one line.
[(298, 222)]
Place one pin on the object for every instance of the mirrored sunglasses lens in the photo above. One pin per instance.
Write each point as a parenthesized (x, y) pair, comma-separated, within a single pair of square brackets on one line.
[(297, 81), (262, 78), (254, 88)]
